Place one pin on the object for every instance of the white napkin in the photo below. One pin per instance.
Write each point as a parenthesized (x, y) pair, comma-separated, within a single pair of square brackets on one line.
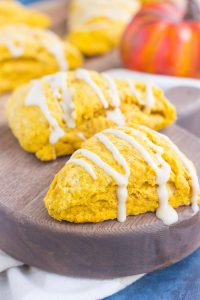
[(18, 282)]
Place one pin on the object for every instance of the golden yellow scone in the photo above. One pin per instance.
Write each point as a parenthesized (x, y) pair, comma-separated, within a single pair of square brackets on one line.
[(28, 53), (52, 116), (95, 27), (15, 13), (120, 172)]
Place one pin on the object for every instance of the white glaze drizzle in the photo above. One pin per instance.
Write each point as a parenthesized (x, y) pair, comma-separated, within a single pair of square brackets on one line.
[(85, 76), (150, 98), (15, 41), (55, 46), (122, 192), (162, 169), (116, 114), (121, 10), (37, 97), (115, 99), (15, 49), (189, 166), (119, 178), (133, 89), (58, 83), (85, 165), (81, 136), (165, 212)]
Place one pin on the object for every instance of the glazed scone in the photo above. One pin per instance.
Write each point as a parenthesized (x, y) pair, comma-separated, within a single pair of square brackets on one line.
[(98, 29), (52, 116), (28, 53), (15, 13), (121, 172)]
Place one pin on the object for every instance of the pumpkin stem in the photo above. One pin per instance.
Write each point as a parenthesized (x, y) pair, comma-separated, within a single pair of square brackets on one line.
[(192, 10)]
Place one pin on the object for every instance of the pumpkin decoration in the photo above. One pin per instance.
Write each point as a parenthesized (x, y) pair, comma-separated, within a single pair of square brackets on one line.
[(165, 39)]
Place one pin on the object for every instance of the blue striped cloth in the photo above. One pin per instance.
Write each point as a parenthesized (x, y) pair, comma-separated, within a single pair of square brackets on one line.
[(178, 282)]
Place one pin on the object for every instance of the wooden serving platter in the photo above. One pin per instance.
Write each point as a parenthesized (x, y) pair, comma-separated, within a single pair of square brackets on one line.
[(104, 250)]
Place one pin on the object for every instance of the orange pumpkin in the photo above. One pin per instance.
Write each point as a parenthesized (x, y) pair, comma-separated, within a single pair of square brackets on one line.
[(163, 39)]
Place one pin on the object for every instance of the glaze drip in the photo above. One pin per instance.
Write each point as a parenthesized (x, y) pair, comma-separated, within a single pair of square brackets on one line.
[(36, 97), (60, 90), (113, 114), (122, 192), (55, 46), (194, 179), (189, 166), (149, 99), (85, 165), (58, 84), (85, 76), (116, 114), (165, 211), (133, 89)]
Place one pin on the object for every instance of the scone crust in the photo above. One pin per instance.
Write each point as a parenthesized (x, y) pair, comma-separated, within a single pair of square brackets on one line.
[(14, 13), (75, 196), (35, 59), (32, 129), (95, 32)]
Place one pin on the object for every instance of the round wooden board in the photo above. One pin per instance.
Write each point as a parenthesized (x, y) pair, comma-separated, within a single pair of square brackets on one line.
[(105, 250)]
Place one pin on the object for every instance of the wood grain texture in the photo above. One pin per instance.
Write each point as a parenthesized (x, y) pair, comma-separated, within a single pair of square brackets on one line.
[(105, 250)]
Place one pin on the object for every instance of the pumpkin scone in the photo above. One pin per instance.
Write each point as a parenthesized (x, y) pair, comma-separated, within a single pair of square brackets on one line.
[(121, 172), (28, 53), (12, 12), (95, 27), (52, 116)]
